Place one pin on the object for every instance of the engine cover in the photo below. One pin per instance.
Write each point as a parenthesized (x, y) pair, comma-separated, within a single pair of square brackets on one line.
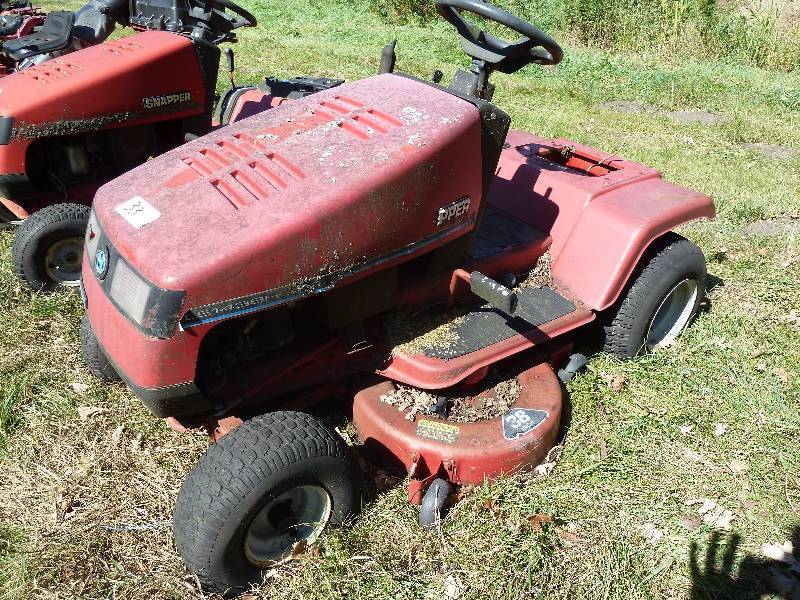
[(308, 196)]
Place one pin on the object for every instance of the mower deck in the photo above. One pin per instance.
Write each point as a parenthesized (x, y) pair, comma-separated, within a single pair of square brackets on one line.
[(464, 453)]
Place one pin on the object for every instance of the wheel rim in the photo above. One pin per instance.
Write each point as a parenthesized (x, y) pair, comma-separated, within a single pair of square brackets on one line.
[(672, 315), (62, 262), (297, 515)]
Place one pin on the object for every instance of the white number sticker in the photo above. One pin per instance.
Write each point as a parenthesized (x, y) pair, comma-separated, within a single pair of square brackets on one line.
[(138, 212)]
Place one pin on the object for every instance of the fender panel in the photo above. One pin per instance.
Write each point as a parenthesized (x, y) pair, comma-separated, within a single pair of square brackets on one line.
[(614, 232), (602, 211)]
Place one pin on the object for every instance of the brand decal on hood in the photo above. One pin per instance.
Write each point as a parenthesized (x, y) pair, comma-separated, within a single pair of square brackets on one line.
[(166, 100)]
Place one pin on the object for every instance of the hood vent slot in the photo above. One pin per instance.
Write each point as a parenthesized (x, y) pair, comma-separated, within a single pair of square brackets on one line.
[(248, 183)]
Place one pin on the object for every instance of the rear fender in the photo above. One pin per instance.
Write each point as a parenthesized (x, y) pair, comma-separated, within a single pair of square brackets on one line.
[(614, 231)]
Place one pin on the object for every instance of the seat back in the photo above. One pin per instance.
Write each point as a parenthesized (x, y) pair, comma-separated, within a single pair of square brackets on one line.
[(55, 35)]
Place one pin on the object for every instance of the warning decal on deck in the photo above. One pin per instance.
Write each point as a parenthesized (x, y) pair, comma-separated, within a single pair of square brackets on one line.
[(441, 432), (519, 421)]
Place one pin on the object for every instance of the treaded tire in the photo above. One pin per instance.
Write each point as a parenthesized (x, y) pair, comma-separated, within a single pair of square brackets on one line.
[(670, 260), (38, 233), (93, 354), (239, 475)]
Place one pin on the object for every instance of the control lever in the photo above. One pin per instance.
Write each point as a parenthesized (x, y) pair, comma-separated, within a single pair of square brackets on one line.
[(388, 58), (495, 293), (231, 65)]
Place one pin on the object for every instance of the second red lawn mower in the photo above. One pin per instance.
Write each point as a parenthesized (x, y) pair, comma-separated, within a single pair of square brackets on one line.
[(75, 121), (18, 18), (385, 242)]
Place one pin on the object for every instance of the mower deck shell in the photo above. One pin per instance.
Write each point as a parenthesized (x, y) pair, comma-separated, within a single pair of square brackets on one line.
[(466, 453)]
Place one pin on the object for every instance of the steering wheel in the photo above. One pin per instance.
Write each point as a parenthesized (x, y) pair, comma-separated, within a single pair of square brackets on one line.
[(247, 19), (507, 57)]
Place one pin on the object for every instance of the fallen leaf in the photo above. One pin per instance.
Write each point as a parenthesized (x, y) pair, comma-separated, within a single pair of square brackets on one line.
[(453, 588), (737, 466), (116, 435), (782, 553), (615, 381), (300, 548), (691, 522), (720, 429), (712, 513), (87, 412), (536, 521), (651, 533), (696, 457), (79, 387), (602, 450), (493, 507)]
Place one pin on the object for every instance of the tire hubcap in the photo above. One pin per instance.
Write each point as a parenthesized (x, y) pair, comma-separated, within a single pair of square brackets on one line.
[(295, 516), (62, 263), (672, 315)]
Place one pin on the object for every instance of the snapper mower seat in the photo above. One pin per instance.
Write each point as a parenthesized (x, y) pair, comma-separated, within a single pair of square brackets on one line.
[(14, 4), (10, 24), (55, 35)]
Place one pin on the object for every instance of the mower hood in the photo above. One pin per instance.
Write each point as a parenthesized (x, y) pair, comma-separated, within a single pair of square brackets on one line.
[(300, 198), (146, 77)]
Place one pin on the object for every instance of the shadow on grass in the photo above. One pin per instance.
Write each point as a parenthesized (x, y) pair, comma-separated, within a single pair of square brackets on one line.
[(717, 575)]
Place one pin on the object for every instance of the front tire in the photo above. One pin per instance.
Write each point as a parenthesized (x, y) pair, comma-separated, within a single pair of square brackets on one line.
[(48, 247), (263, 492), (93, 354), (660, 300)]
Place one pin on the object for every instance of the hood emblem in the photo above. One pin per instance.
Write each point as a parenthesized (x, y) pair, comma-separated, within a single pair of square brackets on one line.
[(101, 262)]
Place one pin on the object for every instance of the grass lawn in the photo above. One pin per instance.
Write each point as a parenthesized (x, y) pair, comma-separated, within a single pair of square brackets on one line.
[(89, 477)]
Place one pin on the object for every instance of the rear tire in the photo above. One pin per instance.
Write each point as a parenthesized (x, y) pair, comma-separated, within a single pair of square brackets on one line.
[(238, 512), (660, 300), (93, 355), (48, 247)]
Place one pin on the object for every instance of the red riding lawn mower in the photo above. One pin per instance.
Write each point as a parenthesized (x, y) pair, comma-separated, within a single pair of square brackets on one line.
[(72, 123), (390, 242)]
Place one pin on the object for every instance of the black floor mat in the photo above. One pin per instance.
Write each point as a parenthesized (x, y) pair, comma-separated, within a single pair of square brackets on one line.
[(499, 231), (485, 325)]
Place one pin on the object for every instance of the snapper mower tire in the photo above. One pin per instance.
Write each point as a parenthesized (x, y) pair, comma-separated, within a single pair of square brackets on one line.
[(93, 354), (660, 300), (48, 247), (264, 492)]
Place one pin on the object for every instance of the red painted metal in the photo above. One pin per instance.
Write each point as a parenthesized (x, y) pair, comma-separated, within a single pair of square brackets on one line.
[(480, 451), (253, 102), (601, 211), (330, 200), (60, 96)]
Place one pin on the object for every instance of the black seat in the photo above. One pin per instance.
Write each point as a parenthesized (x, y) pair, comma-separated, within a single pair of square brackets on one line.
[(55, 35), (10, 24), (13, 4)]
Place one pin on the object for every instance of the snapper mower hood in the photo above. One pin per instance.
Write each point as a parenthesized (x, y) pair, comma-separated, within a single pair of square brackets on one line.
[(293, 201)]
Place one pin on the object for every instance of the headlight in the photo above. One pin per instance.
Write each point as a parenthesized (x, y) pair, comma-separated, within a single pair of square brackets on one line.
[(6, 129), (153, 310), (130, 292)]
